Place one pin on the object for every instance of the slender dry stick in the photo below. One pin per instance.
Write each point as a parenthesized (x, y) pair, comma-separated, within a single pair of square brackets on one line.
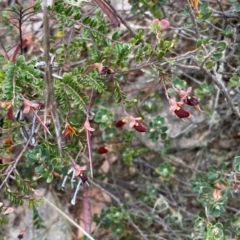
[(16, 162), (50, 101), (192, 15), (222, 88), (88, 135), (120, 17), (38, 193), (4, 49)]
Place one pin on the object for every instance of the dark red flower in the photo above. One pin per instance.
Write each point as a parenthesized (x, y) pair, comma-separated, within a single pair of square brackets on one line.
[(102, 150), (106, 70), (10, 114), (120, 123), (84, 177), (139, 127), (191, 100), (181, 113)]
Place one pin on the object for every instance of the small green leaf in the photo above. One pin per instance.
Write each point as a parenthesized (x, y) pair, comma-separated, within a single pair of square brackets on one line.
[(93, 23), (221, 46), (77, 16), (116, 35), (237, 164), (31, 157), (228, 30), (50, 178), (218, 56), (170, 61), (199, 42), (209, 64), (86, 20), (200, 58), (69, 11), (206, 15), (163, 136)]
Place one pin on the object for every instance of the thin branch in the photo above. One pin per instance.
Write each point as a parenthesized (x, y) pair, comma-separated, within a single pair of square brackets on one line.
[(192, 15), (16, 162), (4, 49), (121, 18), (38, 193), (222, 88), (50, 101)]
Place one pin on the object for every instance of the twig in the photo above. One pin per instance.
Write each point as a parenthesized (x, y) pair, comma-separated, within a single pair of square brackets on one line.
[(16, 162), (193, 19), (38, 193), (50, 101), (222, 88), (121, 18), (4, 49)]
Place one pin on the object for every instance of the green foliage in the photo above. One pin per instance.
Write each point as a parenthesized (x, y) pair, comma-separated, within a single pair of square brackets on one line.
[(118, 93), (150, 196), (157, 128), (205, 13), (206, 90), (104, 116), (13, 196), (140, 7), (113, 218), (20, 77), (129, 154), (101, 73), (70, 88), (213, 192), (42, 162), (38, 222), (237, 164), (165, 170)]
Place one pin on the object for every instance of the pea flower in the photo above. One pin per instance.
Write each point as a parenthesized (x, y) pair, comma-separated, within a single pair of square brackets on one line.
[(77, 171), (134, 122), (28, 105), (88, 127), (189, 100), (68, 131), (176, 107), (183, 94)]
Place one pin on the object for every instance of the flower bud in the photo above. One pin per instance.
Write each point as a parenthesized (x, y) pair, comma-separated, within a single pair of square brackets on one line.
[(102, 150), (181, 113), (139, 127), (120, 123)]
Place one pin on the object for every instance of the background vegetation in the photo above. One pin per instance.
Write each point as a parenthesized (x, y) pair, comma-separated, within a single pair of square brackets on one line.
[(127, 112)]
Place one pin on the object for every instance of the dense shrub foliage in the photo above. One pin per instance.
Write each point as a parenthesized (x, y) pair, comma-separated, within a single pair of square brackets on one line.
[(138, 99)]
